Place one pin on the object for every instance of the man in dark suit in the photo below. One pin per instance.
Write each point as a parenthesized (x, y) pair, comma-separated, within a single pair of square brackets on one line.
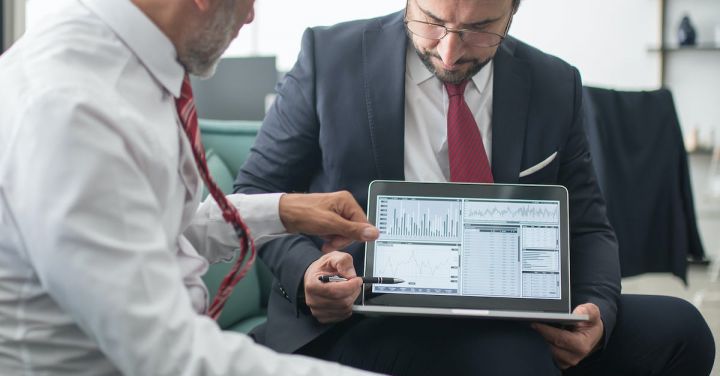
[(461, 102)]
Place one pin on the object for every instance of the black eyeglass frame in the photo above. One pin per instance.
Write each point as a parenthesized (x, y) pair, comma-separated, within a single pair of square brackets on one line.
[(459, 32)]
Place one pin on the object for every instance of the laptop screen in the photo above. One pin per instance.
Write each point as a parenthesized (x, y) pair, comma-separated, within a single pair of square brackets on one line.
[(473, 247), (490, 246)]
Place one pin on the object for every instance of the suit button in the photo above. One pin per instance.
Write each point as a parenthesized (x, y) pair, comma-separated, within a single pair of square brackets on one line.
[(282, 290)]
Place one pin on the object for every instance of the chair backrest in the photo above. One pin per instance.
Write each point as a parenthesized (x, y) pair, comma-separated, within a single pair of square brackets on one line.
[(230, 139), (637, 148), (237, 90), (228, 144)]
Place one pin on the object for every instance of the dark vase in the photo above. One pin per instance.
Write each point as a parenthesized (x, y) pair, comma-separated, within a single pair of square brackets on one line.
[(686, 32)]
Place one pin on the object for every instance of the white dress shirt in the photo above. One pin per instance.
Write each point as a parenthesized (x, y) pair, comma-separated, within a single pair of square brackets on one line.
[(426, 107), (101, 231)]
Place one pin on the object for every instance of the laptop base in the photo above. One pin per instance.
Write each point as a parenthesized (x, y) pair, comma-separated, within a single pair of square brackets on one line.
[(478, 313)]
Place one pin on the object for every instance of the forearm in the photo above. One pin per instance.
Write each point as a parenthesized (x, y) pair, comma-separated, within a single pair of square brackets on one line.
[(595, 266), (216, 240), (594, 280)]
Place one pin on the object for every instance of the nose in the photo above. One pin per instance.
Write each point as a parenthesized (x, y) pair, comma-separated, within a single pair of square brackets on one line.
[(451, 48), (251, 15)]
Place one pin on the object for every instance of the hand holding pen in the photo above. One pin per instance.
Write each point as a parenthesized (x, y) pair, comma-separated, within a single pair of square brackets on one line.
[(373, 280)]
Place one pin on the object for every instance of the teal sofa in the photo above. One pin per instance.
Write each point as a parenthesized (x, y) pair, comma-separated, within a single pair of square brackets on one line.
[(227, 144)]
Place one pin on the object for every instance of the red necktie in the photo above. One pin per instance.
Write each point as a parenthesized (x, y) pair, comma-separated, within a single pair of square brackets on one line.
[(468, 160), (188, 116)]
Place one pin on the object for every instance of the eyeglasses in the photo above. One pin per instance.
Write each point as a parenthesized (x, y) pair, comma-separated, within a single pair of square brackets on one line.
[(476, 38)]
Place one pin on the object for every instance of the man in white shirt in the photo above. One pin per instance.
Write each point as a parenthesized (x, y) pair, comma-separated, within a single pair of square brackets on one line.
[(102, 236)]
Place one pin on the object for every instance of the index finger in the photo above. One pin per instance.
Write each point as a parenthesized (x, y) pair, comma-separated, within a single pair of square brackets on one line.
[(350, 209), (344, 267), (336, 290)]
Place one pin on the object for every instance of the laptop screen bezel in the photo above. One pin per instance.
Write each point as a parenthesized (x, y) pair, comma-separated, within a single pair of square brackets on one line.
[(471, 191)]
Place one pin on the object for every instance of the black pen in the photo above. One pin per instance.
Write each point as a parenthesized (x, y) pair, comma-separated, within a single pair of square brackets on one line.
[(376, 280)]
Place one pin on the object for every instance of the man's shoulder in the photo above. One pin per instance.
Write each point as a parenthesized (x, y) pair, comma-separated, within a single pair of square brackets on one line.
[(74, 52), (540, 62), (69, 65)]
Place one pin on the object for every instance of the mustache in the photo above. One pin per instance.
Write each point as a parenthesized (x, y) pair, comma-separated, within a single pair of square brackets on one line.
[(437, 56)]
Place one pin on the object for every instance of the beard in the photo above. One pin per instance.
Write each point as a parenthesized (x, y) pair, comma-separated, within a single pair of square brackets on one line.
[(201, 53), (452, 77)]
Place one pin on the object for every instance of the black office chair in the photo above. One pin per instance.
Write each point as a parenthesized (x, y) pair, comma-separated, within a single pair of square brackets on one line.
[(639, 155)]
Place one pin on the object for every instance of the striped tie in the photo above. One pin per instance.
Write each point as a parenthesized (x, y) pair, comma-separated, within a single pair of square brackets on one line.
[(466, 152), (188, 116)]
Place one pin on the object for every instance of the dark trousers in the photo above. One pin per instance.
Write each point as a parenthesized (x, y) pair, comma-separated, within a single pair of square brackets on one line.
[(654, 335)]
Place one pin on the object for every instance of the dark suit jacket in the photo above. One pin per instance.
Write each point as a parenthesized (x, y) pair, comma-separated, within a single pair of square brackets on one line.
[(338, 123)]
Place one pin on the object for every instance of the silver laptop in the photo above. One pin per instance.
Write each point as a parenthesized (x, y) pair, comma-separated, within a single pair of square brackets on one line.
[(473, 250)]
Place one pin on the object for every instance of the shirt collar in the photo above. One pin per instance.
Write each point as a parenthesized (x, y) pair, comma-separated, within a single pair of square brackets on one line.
[(419, 73), (144, 38)]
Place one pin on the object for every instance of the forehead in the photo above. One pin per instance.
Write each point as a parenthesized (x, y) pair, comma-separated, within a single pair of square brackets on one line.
[(464, 11)]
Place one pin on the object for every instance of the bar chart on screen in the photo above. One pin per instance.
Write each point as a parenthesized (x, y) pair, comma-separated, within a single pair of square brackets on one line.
[(419, 219)]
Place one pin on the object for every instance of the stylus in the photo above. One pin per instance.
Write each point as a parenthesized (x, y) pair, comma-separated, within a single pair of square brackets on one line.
[(376, 280)]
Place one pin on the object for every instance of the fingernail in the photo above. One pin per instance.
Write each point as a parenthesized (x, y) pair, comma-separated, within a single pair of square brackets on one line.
[(369, 233)]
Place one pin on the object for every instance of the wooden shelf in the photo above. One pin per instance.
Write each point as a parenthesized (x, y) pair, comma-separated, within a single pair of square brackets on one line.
[(699, 47)]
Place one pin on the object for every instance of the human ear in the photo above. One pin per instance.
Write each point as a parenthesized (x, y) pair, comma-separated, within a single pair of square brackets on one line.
[(203, 5)]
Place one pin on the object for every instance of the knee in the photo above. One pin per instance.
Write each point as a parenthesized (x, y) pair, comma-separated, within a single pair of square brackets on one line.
[(679, 325), (690, 325), (519, 350), (695, 333), (495, 348)]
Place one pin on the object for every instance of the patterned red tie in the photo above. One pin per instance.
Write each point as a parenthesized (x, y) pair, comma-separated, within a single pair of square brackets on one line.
[(468, 160), (188, 116)]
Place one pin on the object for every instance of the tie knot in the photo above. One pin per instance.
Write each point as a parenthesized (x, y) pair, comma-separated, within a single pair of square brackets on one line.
[(186, 88), (456, 89)]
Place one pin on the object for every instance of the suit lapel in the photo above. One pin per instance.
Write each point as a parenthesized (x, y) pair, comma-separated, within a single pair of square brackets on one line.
[(384, 74), (511, 98)]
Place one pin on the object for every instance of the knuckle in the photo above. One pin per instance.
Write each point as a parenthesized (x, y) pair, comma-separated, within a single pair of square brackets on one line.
[(334, 295)]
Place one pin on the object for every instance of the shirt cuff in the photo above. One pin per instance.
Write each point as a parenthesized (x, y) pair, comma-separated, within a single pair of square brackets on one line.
[(261, 212)]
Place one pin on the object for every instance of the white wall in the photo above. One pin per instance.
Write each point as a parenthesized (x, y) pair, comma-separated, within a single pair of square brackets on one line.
[(279, 24), (607, 40), (14, 25), (692, 75)]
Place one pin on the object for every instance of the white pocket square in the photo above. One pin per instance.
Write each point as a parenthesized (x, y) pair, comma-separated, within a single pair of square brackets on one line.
[(538, 166)]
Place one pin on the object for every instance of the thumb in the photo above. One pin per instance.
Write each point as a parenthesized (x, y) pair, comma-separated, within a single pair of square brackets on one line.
[(588, 309)]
